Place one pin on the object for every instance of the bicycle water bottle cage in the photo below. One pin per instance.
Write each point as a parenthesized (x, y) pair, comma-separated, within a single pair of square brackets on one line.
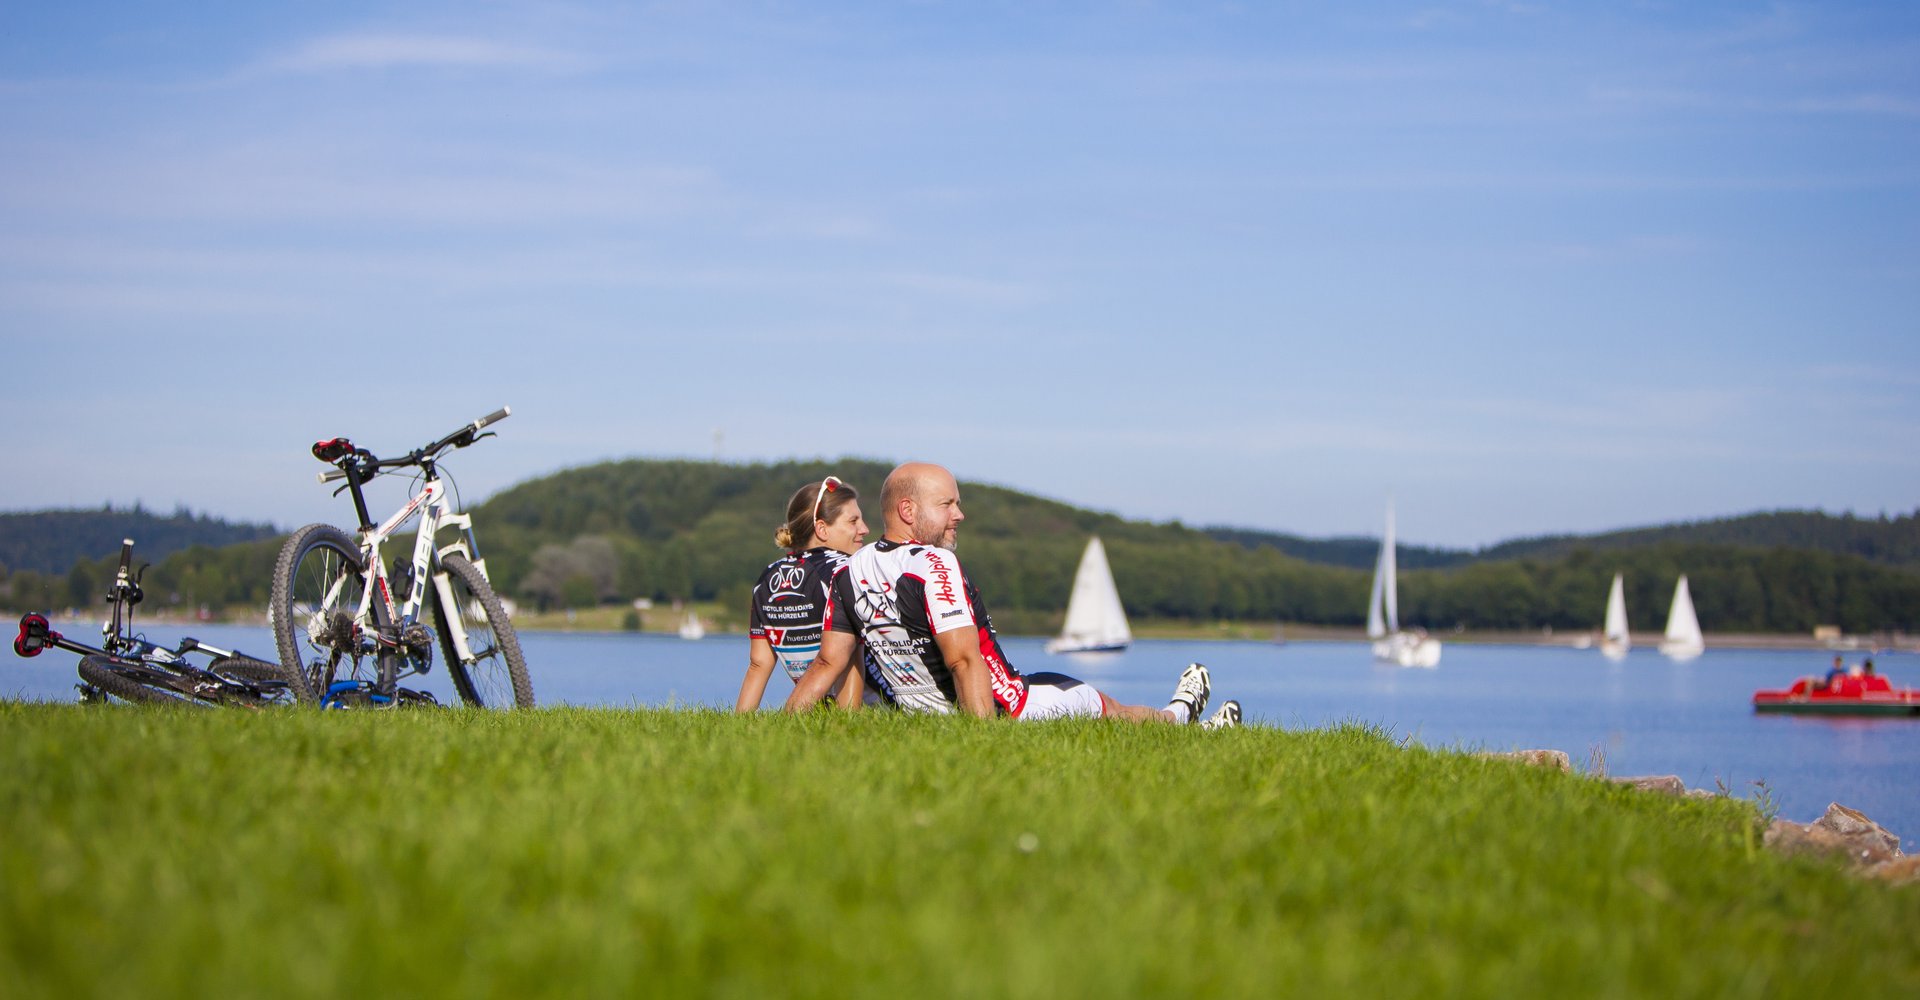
[(332, 450), (34, 635)]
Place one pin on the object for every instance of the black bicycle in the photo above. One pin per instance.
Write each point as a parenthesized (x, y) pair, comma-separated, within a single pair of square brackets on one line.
[(130, 668)]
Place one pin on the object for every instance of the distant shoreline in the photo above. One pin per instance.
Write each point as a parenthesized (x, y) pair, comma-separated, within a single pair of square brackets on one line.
[(607, 621)]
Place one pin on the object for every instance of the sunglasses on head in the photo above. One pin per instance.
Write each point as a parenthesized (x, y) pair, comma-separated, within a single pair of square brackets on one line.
[(831, 484)]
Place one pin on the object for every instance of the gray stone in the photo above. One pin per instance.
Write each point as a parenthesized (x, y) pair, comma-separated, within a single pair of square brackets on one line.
[(1854, 826), (1900, 871), (1842, 831), (1666, 784), (1556, 759)]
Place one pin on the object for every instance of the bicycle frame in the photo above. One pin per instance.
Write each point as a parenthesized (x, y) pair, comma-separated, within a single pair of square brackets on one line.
[(436, 515), (336, 598)]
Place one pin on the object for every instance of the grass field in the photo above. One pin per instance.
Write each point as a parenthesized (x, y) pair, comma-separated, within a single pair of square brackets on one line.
[(595, 852)]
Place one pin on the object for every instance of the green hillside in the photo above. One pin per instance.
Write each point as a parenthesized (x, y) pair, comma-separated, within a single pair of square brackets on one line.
[(51, 541), (606, 534)]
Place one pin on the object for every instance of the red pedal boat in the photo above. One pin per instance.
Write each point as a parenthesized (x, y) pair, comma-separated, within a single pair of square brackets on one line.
[(1851, 695)]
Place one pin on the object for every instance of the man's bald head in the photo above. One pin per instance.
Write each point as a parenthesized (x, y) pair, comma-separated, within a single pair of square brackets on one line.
[(921, 501)]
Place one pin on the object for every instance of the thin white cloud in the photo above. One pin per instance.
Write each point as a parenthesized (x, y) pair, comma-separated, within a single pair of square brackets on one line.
[(385, 52)]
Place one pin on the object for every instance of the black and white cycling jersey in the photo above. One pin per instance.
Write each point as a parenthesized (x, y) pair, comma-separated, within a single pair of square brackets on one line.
[(790, 605), (897, 596)]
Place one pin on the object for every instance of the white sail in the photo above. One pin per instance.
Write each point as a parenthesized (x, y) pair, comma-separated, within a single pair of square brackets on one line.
[(1390, 581), (1684, 640), (690, 627), (1095, 619), (1615, 639), (1376, 622), (1390, 645)]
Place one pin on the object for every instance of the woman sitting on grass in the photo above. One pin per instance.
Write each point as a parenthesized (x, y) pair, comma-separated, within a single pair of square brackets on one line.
[(823, 527)]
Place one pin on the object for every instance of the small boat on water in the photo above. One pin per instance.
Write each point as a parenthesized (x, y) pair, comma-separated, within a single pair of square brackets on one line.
[(1390, 645), (690, 627), (1616, 639), (1683, 641), (1853, 694), (1096, 623)]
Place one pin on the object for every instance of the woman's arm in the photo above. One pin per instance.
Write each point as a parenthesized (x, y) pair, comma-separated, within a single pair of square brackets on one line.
[(760, 665)]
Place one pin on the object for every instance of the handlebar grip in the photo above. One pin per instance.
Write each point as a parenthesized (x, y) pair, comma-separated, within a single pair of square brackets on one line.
[(493, 418), (126, 555), (327, 477)]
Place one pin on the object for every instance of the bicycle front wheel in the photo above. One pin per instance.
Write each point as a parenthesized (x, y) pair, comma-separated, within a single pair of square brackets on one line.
[(261, 683), (134, 682), (493, 674), (317, 585)]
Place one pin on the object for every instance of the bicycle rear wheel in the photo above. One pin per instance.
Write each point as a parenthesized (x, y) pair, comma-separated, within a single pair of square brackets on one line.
[(317, 585), (129, 681), (495, 674)]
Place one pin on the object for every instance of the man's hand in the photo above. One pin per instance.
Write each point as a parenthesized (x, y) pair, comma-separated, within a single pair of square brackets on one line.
[(972, 686), (836, 650)]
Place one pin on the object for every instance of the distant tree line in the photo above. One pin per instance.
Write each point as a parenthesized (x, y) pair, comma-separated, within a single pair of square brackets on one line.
[(667, 530)]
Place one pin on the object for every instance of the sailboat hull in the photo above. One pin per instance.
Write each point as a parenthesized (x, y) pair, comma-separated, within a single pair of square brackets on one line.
[(1404, 649), (1071, 646)]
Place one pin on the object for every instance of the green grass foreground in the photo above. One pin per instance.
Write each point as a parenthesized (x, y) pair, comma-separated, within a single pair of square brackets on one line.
[(597, 852)]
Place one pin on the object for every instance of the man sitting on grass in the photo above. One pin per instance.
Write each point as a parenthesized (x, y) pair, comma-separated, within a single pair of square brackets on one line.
[(930, 646)]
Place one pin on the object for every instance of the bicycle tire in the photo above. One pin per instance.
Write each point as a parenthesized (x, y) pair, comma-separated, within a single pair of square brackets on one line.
[(247, 671), (317, 581), (499, 670), (128, 682)]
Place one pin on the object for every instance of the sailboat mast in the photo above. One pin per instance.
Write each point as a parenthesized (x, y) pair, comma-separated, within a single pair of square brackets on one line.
[(1390, 583)]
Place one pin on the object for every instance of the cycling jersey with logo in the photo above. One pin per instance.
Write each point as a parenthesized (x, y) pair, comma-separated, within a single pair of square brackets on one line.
[(897, 596), (790, 606)]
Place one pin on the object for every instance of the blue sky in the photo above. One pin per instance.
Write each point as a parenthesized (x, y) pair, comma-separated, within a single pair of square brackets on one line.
[(1524, 267)]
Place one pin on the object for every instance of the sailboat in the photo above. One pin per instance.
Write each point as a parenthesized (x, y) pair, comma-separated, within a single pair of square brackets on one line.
[(1095, 620), (1683, 641), (690, 627), (1615, 640), (1390, 645)]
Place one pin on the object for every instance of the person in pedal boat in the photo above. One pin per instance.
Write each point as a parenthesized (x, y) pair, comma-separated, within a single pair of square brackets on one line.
[(823, 526), (926, 643)]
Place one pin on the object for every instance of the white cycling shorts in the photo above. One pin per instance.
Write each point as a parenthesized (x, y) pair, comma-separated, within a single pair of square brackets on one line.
[(1057, 696)]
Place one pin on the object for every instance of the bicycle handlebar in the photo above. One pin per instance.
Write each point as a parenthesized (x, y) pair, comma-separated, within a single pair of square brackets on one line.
[(370, 466)]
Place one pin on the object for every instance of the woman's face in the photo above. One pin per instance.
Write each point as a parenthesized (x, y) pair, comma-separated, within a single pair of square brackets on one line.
[(844, 532)]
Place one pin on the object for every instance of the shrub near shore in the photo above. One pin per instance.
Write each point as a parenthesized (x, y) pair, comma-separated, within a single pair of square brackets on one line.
[(599, 852)]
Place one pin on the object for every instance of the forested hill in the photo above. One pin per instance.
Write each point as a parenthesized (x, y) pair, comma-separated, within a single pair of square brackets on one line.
[(51, 541), (667, 530), (1891, 541)]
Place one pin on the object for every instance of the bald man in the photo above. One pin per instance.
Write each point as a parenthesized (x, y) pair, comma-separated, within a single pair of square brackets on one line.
[(929, 644)]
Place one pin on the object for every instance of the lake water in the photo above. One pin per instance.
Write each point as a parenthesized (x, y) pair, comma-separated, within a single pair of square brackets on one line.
[(1641, 716)]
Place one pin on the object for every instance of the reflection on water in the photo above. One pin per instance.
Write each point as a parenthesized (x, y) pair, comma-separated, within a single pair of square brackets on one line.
[(1641, 715)]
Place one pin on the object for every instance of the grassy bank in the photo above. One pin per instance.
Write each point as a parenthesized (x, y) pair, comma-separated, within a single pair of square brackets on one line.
[(588, 852)]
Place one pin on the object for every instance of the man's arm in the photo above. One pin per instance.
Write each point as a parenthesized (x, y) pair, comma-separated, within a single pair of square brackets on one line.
[(853, 688), (961, 649), (836, 649)]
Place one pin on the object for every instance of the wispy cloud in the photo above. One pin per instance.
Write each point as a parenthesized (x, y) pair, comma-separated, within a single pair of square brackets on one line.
[(384, 52)]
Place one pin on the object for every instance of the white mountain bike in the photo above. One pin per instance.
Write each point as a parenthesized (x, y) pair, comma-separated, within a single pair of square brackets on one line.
[(344, 641)]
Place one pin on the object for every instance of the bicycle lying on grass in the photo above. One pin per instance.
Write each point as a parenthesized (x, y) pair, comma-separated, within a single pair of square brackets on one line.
[(132, 669), (342, 637)]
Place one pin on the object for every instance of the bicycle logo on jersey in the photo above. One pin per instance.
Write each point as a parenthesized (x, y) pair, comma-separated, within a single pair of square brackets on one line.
[(788, 578)]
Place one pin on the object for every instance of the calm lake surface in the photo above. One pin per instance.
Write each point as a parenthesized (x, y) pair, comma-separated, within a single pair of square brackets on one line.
[(1643, 715)]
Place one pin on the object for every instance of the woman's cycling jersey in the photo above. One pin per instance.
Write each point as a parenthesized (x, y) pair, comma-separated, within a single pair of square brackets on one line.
[(897, 596), (790, 606)]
